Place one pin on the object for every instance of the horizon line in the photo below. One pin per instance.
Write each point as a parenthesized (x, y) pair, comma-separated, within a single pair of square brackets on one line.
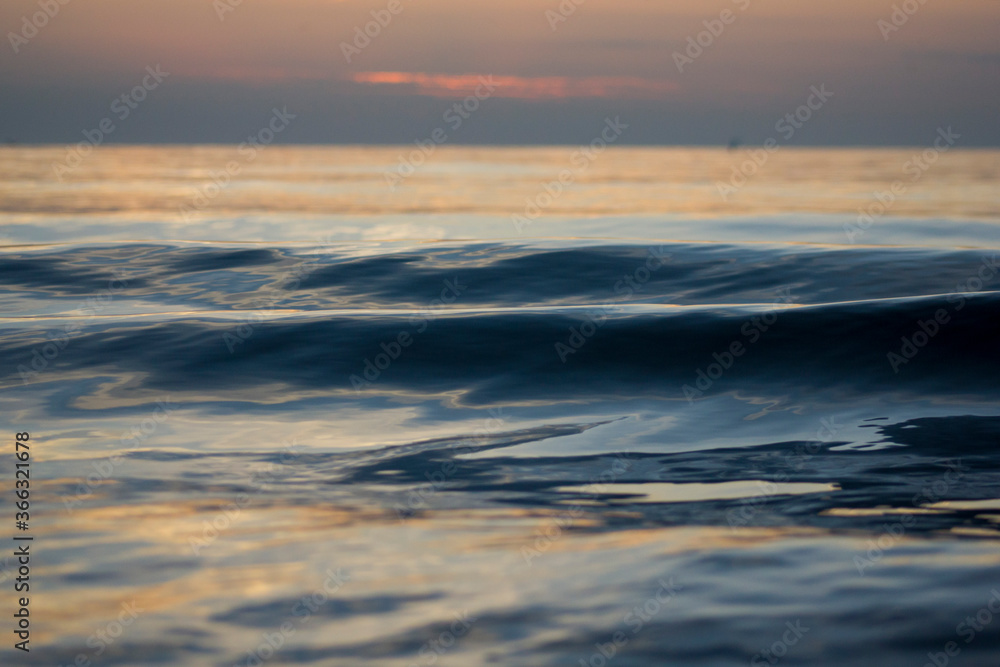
[(389, 144)]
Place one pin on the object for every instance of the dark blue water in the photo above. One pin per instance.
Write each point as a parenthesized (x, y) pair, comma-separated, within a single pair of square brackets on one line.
[(544, 453)]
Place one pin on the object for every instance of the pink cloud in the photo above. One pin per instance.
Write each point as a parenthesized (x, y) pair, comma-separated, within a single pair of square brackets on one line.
[(528, 88)]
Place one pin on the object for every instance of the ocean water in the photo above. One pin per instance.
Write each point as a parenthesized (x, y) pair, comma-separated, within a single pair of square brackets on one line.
[(509, 406)]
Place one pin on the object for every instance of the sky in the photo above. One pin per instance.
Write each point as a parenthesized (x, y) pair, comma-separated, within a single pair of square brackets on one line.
[(682, 72)]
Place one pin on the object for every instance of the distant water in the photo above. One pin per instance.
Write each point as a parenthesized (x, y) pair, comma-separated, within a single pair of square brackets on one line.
[(294, 416)]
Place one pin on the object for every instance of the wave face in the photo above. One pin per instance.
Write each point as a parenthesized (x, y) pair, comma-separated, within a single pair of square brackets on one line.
[(502, 325), (525, 451)]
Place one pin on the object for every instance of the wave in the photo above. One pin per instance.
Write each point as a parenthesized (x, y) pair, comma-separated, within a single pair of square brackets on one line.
[(490, 274), (942, 345)]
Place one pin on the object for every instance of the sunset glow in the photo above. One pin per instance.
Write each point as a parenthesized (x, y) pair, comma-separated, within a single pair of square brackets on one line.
[(525, 88), (718, 71)]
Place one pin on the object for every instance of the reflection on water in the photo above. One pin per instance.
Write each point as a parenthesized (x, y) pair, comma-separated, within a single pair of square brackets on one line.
[(651, 492), (687, 438), (337, 194)]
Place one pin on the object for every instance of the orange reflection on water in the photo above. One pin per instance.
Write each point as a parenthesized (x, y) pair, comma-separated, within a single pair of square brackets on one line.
[(121, 185)]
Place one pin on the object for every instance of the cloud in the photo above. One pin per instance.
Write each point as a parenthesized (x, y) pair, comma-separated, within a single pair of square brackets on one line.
[(527, 88)]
